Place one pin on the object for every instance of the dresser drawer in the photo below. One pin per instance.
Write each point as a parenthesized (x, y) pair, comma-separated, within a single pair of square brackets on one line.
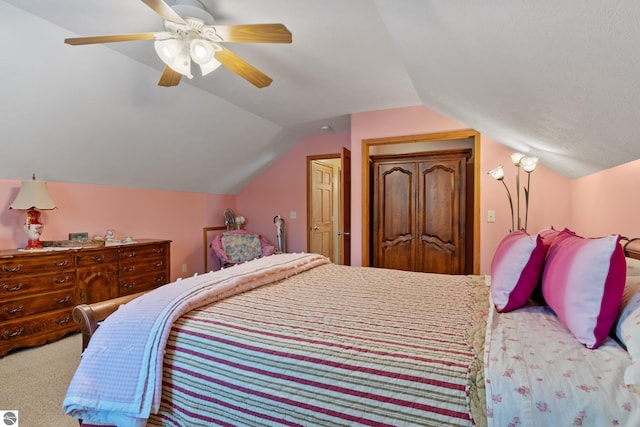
[(88, 259), (21, 329), (20, 307), (140, 283), (13, 287), (140, 252), (150, 265), (43, 263)]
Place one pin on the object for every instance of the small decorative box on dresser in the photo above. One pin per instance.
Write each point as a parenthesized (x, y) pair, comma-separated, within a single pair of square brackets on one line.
[(39, 289)]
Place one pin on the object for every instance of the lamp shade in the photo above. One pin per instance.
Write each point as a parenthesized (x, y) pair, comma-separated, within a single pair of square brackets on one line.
[(516, 157), (202, 51), (529, 163), (175, 53), (209, 66), (33, 194)]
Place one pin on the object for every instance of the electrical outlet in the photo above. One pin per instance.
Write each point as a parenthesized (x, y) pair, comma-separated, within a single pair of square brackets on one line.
[(491, 216), (293, 215), (184, 268)]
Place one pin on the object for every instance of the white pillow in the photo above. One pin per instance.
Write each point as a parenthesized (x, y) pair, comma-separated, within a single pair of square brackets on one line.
[(633, 266), (628, 331)]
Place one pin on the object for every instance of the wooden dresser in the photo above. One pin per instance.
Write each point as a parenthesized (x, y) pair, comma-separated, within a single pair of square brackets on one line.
[(38, 290)]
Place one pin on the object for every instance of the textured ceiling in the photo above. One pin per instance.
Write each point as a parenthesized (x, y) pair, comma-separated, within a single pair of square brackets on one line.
[(557, 79)]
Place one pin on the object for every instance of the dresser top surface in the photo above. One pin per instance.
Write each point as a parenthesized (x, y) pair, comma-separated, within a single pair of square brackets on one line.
[(12, 253)]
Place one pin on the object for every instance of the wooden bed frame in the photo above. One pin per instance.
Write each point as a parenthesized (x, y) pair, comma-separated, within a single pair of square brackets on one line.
[(88, 316), (632, 247)]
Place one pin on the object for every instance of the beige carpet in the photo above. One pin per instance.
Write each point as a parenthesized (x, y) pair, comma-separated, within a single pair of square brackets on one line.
[(35, 380)]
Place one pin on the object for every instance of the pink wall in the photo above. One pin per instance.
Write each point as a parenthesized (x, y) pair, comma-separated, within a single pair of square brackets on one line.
[(177, 216), (282, 189), (598, 204), (419, 120), (380, 124), (607, 202), (549, 202)]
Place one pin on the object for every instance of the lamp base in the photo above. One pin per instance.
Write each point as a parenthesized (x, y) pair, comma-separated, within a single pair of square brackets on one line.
[(34, 231)]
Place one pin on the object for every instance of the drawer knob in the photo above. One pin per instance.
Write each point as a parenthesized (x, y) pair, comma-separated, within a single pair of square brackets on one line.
[(62, 301), (13, 310), (129, 285), (61, 263), (159, 264), (130, 254), (15, 269), (13, 288), (64, 279), (97, 258), (63, 321), (14, 333)]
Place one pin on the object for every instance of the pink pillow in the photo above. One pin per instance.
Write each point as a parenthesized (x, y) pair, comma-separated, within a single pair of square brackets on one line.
[(515, 270), (550, 235), (582, 283)]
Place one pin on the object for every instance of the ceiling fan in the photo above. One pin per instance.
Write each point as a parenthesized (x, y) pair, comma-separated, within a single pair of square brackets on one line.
[(192, 39)]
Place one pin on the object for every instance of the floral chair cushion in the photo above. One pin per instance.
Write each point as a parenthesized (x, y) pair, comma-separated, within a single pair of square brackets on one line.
[(241, 247)]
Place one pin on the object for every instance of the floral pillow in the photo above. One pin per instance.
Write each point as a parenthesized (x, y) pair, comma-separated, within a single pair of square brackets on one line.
[(241, 247)]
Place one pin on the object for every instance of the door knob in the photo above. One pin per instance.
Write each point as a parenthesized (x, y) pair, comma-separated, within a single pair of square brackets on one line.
[(316, 228), (343, 233)]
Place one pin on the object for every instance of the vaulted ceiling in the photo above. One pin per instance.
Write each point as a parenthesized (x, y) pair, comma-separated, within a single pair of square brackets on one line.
[(558, 79)]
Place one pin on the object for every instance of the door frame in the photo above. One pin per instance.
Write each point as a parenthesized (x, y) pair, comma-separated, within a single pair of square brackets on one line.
[(344, 208), (343, 201), (329, 163), (420, 138)]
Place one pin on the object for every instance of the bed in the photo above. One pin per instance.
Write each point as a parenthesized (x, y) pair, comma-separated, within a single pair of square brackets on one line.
[(292, 339)]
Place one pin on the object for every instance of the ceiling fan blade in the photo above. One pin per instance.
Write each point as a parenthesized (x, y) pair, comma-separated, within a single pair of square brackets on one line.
[(75, 41), (256, 33), (242, 67), (169, 77), (164, 10)]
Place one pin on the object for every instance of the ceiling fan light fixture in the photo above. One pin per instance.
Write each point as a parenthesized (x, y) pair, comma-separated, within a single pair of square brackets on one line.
[(202, 51), (209, 66), (195, 38), (168, 50), (173, 53)]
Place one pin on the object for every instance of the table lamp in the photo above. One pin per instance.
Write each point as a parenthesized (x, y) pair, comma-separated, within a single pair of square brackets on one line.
[(33, 195)]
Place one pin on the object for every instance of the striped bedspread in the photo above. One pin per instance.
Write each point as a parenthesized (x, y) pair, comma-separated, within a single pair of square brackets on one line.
[(119, 379), (333, 346)]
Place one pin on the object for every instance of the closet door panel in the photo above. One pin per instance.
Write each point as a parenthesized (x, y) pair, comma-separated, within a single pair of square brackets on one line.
[(441, 219), (395, 205)]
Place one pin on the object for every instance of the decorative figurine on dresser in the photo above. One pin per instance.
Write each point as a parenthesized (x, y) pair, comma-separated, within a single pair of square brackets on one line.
[(39, 288)]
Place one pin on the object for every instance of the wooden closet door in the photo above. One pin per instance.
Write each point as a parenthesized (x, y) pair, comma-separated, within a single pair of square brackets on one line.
[(441, 220), (419, 212), (394, 215)]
